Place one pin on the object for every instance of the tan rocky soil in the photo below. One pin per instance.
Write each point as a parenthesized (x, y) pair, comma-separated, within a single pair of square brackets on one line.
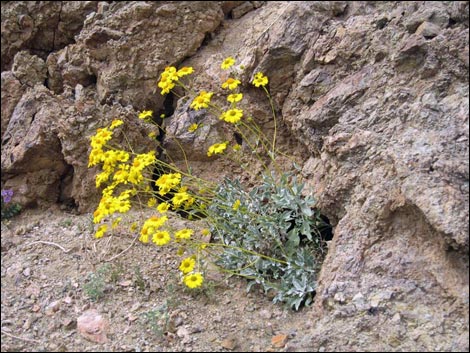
[(372, 98), (47, 260)]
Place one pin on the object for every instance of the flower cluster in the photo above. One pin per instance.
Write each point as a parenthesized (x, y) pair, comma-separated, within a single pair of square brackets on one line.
[(7, 195), (256, 238), (9, 209), (171, 76), (126, 176)]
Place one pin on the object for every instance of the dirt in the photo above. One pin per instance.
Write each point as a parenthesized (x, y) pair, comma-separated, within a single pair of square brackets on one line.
[(54, 270)]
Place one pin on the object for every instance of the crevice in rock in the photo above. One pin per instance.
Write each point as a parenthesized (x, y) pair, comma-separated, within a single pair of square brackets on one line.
[(238, 138), (56, 27), (169, 107), (65, 189), (325, 228)]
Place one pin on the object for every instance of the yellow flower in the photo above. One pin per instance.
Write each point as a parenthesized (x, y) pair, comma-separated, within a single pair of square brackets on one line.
[(187, 265), (166, 87), (170, 73), (205, 232), (116, 123), (123, 206), (193, 280), (163, 116), (237, 147), (101, 230), (116, 222), (184, 234), (185, 71), (100, 138), (236, 205), (193, 127), (152, 202), (217, 148), (144, 238), (121, 175), (101, 178), (168, 181), (145, 114), (260, 80), (179, 198), (231, 83), (163, 207), (161, 238), (98, 215), (96, 156), (234, 97), (152, 134), (227, 63), (232, 116), (202, 100)]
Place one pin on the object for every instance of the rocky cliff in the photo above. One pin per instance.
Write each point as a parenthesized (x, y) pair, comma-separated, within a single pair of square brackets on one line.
[(372, 99)]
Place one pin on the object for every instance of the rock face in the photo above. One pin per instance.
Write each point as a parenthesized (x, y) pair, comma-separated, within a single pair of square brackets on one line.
[(372, 98), (108, 69)]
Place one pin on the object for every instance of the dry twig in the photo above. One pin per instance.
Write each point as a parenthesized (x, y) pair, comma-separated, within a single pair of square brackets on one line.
[(20, 338), (50, 243)]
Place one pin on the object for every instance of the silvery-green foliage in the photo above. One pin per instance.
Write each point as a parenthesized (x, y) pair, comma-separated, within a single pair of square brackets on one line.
[(272, 238)]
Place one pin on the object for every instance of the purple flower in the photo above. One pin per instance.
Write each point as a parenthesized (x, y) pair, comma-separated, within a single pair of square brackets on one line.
[(7, 195)]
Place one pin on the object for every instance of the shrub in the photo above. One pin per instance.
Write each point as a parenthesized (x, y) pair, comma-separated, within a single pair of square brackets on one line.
[(269, 234)]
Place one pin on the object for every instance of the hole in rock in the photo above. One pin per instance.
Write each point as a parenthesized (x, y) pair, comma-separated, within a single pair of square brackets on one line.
[(159, 170)]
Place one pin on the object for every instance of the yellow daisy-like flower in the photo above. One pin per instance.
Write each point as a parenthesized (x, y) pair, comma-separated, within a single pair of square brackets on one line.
[(144, 237), (231, 83), (184, 234), (101, 230), (179, 198), (100, 138), (187, 265), (161, 237), (96, 156), (235, 97), (166, 87), (217, 148), (193, 280), (232, 116), (236, 205), (152, 202), (163, 207), (193, 127), (260, 80), (169, 74), (145, 114), (186, 70), (116, 123), (202, 100), (227, 63)]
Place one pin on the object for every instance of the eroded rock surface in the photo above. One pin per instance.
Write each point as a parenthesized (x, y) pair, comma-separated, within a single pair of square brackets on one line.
[(372, 99)]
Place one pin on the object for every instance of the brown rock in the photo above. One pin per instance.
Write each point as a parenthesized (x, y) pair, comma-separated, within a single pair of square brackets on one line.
[(428, 30), (229, 343), (93, 326), (279, 341)]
